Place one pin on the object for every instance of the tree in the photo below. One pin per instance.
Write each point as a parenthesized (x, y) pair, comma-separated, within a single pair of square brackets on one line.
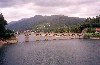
[(90, 24), (3, 22), (4, 33)]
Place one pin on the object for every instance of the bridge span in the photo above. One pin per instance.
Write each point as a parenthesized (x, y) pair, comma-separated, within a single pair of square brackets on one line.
[(29, 37)]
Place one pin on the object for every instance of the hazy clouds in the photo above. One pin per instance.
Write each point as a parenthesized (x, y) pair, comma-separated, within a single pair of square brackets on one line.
[(17, 9)]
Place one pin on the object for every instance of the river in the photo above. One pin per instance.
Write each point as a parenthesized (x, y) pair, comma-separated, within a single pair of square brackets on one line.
[(57, 52)]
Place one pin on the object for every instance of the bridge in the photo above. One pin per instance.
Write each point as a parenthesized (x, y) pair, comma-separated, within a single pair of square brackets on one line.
[(29, 37)]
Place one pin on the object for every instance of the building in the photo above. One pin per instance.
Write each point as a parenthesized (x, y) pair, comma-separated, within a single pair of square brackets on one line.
[(97, 30)]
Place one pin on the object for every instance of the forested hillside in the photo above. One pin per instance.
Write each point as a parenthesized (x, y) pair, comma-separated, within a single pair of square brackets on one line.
[(54, 21), (90, 24)]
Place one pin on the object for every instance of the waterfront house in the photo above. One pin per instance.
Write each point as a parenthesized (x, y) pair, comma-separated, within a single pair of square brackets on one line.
[(97, 30)]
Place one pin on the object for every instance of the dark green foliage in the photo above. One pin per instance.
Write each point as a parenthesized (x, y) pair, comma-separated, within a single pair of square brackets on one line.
[(3, 22), (4, 33), (76, 28), (89, 35), (90, 24), (8, 34), (47, 28), (90, 30)]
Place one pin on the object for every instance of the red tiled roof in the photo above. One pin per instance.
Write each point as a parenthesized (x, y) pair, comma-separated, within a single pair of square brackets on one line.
[(97, 29)]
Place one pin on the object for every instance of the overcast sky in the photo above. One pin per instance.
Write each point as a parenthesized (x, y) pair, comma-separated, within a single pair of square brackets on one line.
[(18, 9)]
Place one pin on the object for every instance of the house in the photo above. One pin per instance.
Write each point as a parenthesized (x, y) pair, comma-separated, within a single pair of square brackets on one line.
[(97, 30)]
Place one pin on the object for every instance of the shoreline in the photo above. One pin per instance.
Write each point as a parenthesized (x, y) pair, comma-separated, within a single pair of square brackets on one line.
[(8, 43), (30, 37), (95, 38)]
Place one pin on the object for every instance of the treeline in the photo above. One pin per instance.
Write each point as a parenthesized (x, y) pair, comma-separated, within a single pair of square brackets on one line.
[(48, 28), (4, 32), (88, 25)]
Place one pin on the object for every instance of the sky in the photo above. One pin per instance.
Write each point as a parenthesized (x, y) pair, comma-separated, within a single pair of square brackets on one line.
[(14, 10)]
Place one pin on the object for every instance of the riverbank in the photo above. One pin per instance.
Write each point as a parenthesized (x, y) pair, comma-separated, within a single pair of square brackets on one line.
[(12, 40), (29, 37), (92, 35)]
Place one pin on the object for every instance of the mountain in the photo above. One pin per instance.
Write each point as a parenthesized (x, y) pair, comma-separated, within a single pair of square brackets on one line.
[(53, 20)]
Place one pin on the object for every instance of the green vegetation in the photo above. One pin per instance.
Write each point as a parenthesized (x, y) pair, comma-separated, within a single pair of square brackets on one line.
[(48, 28), (58, 23), (91, 24), (88, 35), (88, 26), (4, 32)]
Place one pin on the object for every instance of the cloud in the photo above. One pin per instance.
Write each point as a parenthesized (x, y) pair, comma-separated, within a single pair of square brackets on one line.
[(16, 13), (62, 3), (17, 9), (56, 3)]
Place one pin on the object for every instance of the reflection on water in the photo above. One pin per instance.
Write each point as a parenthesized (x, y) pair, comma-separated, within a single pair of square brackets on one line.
[(62, 52)]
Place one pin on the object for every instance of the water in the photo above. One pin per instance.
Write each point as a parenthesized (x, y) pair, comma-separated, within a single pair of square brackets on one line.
[(58, 52)]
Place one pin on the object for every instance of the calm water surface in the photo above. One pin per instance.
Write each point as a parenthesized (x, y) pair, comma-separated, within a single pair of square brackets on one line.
[(58, 52)]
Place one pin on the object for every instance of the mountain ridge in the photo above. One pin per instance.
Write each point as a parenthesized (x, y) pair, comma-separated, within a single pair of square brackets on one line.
[(53, 20)]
